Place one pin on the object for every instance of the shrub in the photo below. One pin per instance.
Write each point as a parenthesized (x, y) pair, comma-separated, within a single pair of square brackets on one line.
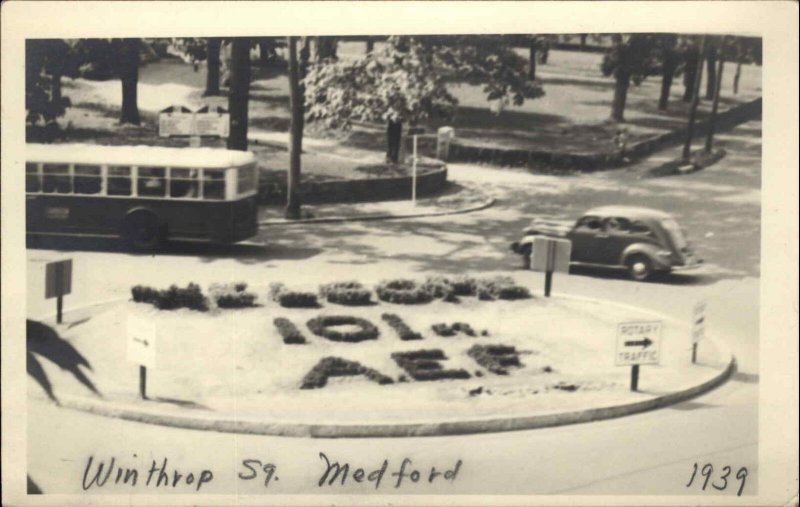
[(443, 329), (495, 358), (500, 287), (346, 293), (397, 323), (321, 326), (292, 299), (424, 365), (291, 335), (232, 295), (402, 291), (172, 298), (439, 287), (337, 367), (464, 285)]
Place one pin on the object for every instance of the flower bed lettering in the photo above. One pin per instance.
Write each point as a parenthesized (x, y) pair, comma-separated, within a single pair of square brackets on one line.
[(337, 367), (321, 326), (495, 358), (424, 365)]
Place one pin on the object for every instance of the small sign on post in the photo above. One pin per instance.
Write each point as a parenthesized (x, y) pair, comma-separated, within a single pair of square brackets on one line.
[(550, 255), (698, 327), (141, 347), (176, 121), (638, 343), (211, 121), (58, 283), (414, 131)]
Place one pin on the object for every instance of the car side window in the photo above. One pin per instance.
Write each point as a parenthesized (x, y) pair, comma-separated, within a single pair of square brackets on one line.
[(618, 225), (589, 223), (640, 228)]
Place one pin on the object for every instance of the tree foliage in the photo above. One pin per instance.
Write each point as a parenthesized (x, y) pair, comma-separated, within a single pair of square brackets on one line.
[(46, 60)]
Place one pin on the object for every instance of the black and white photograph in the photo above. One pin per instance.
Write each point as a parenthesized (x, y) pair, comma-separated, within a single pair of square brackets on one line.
[(399, 253)]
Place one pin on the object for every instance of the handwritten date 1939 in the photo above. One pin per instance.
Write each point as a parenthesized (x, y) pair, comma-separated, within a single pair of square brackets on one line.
[(707, 471)]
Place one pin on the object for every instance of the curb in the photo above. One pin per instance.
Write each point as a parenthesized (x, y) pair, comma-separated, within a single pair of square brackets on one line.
[(388, 216), (210, 421)]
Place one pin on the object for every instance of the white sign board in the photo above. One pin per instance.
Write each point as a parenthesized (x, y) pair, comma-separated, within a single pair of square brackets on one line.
[(58, 278), (550, 254), (211, 124), (638, 343), (698, 322), (175, 124), (141, 340)]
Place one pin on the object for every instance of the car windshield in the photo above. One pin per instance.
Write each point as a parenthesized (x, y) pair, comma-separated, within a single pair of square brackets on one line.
[(675, 231)]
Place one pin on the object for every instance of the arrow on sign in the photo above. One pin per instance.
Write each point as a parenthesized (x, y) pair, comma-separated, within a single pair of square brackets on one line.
[(636, 343), (144, 342)]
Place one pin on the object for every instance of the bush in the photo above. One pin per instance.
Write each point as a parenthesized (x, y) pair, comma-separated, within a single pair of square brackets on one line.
[(232, 295), (500, 287), (439, 287), (495, 358), (321, 326), (424, 365), (173, 298), (402, 291), (464, 285), (346, 293), (292, 299), (397, 323), (291, 335), (337, 367), (443, 329)]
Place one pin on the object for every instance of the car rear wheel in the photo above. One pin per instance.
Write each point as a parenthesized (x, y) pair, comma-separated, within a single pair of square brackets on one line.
[(141, 230), (640, 267)]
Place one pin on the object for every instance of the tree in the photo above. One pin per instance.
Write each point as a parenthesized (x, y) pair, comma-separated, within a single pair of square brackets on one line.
[(691, 56), (325, 47), (128, 70), (213, 47), (239, 93), (46, 61), (631, 58), (670, 59), (404, 82), (711, 66), (295, 132)]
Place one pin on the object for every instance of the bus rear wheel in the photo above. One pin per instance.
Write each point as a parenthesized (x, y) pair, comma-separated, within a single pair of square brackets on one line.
[(141, 231)]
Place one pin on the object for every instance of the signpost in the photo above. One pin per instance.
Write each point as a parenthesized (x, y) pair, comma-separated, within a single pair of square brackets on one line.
[(414, 131), (141, 346), (638, 343), (698, 327), (180, 121), (176, 121), (550, 255), (58, 283), (212, 121)]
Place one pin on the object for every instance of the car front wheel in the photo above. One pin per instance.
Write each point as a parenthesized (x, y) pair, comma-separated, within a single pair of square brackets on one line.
[(640, 267)]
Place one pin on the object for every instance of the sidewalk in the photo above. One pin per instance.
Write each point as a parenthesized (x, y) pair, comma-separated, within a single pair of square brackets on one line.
[(457, 198)]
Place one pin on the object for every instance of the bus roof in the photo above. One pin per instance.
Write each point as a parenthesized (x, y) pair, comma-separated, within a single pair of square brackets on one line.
[(137, 155)]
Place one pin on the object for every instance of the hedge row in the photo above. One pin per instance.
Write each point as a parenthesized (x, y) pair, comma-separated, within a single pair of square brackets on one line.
[(424, 365), (346, 293), (321, 326), (495, 358), (291, 335), (233, 295), (337, 367), (399, 325), (292, 299), (173, 298), (403, 291)]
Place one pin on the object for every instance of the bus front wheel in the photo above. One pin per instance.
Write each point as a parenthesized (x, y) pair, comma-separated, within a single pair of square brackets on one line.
[(141, 230)]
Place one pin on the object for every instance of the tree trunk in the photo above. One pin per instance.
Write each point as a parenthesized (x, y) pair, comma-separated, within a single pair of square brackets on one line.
[(667, 73), (621, 84), (295, 133), (711, 66), (266, 50), (394, 135), (129, 75), (583, 37), (532, 60), (326, 48), (544, 54), (55, 91), (689, 74), (713, 119), (370, 45), (698, 76), (736, 77), (213, 45), (239, 93)]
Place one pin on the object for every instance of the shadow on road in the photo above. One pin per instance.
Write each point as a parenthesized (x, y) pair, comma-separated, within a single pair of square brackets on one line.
[(43, 342)]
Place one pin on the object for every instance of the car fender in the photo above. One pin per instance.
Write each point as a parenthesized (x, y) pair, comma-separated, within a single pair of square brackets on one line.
[(648, 249)]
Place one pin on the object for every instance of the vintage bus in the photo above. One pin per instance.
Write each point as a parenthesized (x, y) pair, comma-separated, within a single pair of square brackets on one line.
[(143, 194)]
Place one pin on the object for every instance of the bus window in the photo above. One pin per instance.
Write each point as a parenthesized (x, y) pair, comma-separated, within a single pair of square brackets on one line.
[(152, 182), (88, 179), (246, 181), (183, 183), (213, 184), (119, 180), (33, 180), (56, 179)]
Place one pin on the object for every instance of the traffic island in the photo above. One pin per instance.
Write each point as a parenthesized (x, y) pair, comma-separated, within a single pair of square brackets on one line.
[(699, 159), (450, 363)]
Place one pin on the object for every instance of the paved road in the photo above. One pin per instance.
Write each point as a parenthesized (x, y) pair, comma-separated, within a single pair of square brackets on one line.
[(650, 453)]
